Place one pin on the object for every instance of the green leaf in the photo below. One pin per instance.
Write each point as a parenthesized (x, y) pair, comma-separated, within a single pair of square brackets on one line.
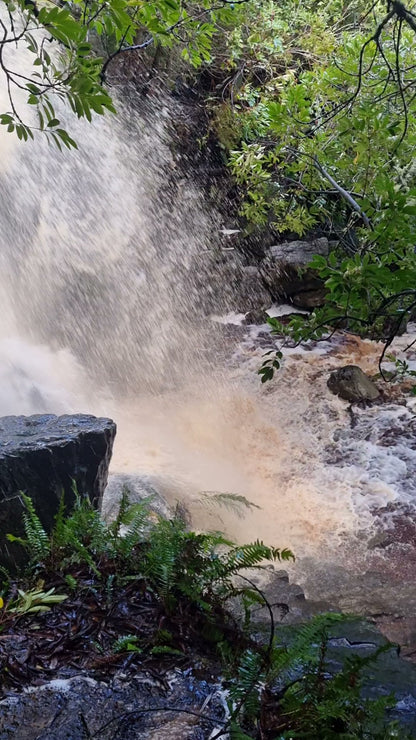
[(166, 650)]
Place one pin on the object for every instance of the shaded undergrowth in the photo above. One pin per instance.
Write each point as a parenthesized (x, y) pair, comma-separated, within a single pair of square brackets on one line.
[(146, 593)]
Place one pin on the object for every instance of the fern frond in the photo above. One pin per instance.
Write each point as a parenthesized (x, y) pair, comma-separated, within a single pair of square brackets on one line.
[(123, 509), (127, 643), (58, 532), (37, 541), (248, 684), (234, 502), (236, 733), (251, 555), (303, 649), (166, 541), (165, 650), (138, 520)]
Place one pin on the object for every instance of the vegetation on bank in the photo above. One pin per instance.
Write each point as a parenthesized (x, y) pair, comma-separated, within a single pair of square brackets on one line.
[(317, 121), (148, 590)]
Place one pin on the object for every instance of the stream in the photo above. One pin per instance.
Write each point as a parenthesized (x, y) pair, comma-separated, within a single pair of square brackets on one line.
[(112, 269)]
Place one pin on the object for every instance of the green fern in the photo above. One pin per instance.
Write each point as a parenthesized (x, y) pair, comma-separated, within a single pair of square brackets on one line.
[(310, 702), (58, 532), (163, 555), (138, 520), (80, 537), (236, 733), (195, 573), (248, 684), (127, 643), (165, 650), (36, 540), (248, 556), (234, 502), (122, 512)]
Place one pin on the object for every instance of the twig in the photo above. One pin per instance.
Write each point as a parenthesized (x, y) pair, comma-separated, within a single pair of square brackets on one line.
[(149, 710), (344, 193)]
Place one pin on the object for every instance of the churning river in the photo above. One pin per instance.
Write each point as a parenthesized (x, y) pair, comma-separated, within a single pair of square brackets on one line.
[(109, 277)]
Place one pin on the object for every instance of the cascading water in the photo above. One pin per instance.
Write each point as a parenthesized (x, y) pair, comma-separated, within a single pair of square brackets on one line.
[(110, 268)]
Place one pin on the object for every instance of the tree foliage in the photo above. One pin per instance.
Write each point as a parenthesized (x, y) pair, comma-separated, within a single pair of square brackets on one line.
[(51, 51), (317, 120)]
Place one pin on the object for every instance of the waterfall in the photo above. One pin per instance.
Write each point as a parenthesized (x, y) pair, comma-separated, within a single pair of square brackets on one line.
[(111, 266)]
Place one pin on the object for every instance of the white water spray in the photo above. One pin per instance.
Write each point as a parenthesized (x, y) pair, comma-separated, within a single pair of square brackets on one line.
[(108, 278)]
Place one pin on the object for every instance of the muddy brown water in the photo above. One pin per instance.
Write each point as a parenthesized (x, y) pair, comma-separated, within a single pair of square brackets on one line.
[(108, 281)]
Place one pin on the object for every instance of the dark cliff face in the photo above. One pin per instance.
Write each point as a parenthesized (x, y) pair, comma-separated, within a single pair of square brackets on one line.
[(45, 456)]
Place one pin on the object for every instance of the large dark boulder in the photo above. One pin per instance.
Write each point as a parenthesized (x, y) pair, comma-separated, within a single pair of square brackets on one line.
[(352, 384), (283, 272), (45, 456)]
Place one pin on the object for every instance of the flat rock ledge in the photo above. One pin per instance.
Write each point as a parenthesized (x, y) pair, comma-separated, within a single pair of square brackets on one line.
[(141, 704), (45, 456)]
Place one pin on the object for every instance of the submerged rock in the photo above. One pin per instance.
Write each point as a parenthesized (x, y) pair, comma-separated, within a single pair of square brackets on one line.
[(44, 456), (352, 384)]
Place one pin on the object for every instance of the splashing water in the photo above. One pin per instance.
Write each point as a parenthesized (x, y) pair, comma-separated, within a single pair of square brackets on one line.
[(111, 265)]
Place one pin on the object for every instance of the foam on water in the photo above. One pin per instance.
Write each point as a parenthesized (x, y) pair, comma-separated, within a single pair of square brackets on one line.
[(107, 281)]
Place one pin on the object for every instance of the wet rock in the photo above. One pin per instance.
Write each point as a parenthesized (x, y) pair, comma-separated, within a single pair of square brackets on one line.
[(299, 252), (138, 488), (254, 295), (380, 540), (282, 272), (309, 299), (388, 675), (259, 316), (44, 456), (232, 286), (286, 600), (139, 705), (352, 384)]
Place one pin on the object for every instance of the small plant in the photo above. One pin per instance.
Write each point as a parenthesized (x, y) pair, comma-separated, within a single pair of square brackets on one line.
[(127, 643), (176, 565), (36, 541), (35, 601), (234, 502), (272, 363)]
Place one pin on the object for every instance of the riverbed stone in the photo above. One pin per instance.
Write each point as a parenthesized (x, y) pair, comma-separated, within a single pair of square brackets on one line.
[(284, 272), (299, 252), (151, 705), (352, 384), (309, 299), (45, 456), (139, 488)]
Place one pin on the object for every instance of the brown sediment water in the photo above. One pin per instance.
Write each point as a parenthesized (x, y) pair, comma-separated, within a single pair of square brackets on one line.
[(109, 273)]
